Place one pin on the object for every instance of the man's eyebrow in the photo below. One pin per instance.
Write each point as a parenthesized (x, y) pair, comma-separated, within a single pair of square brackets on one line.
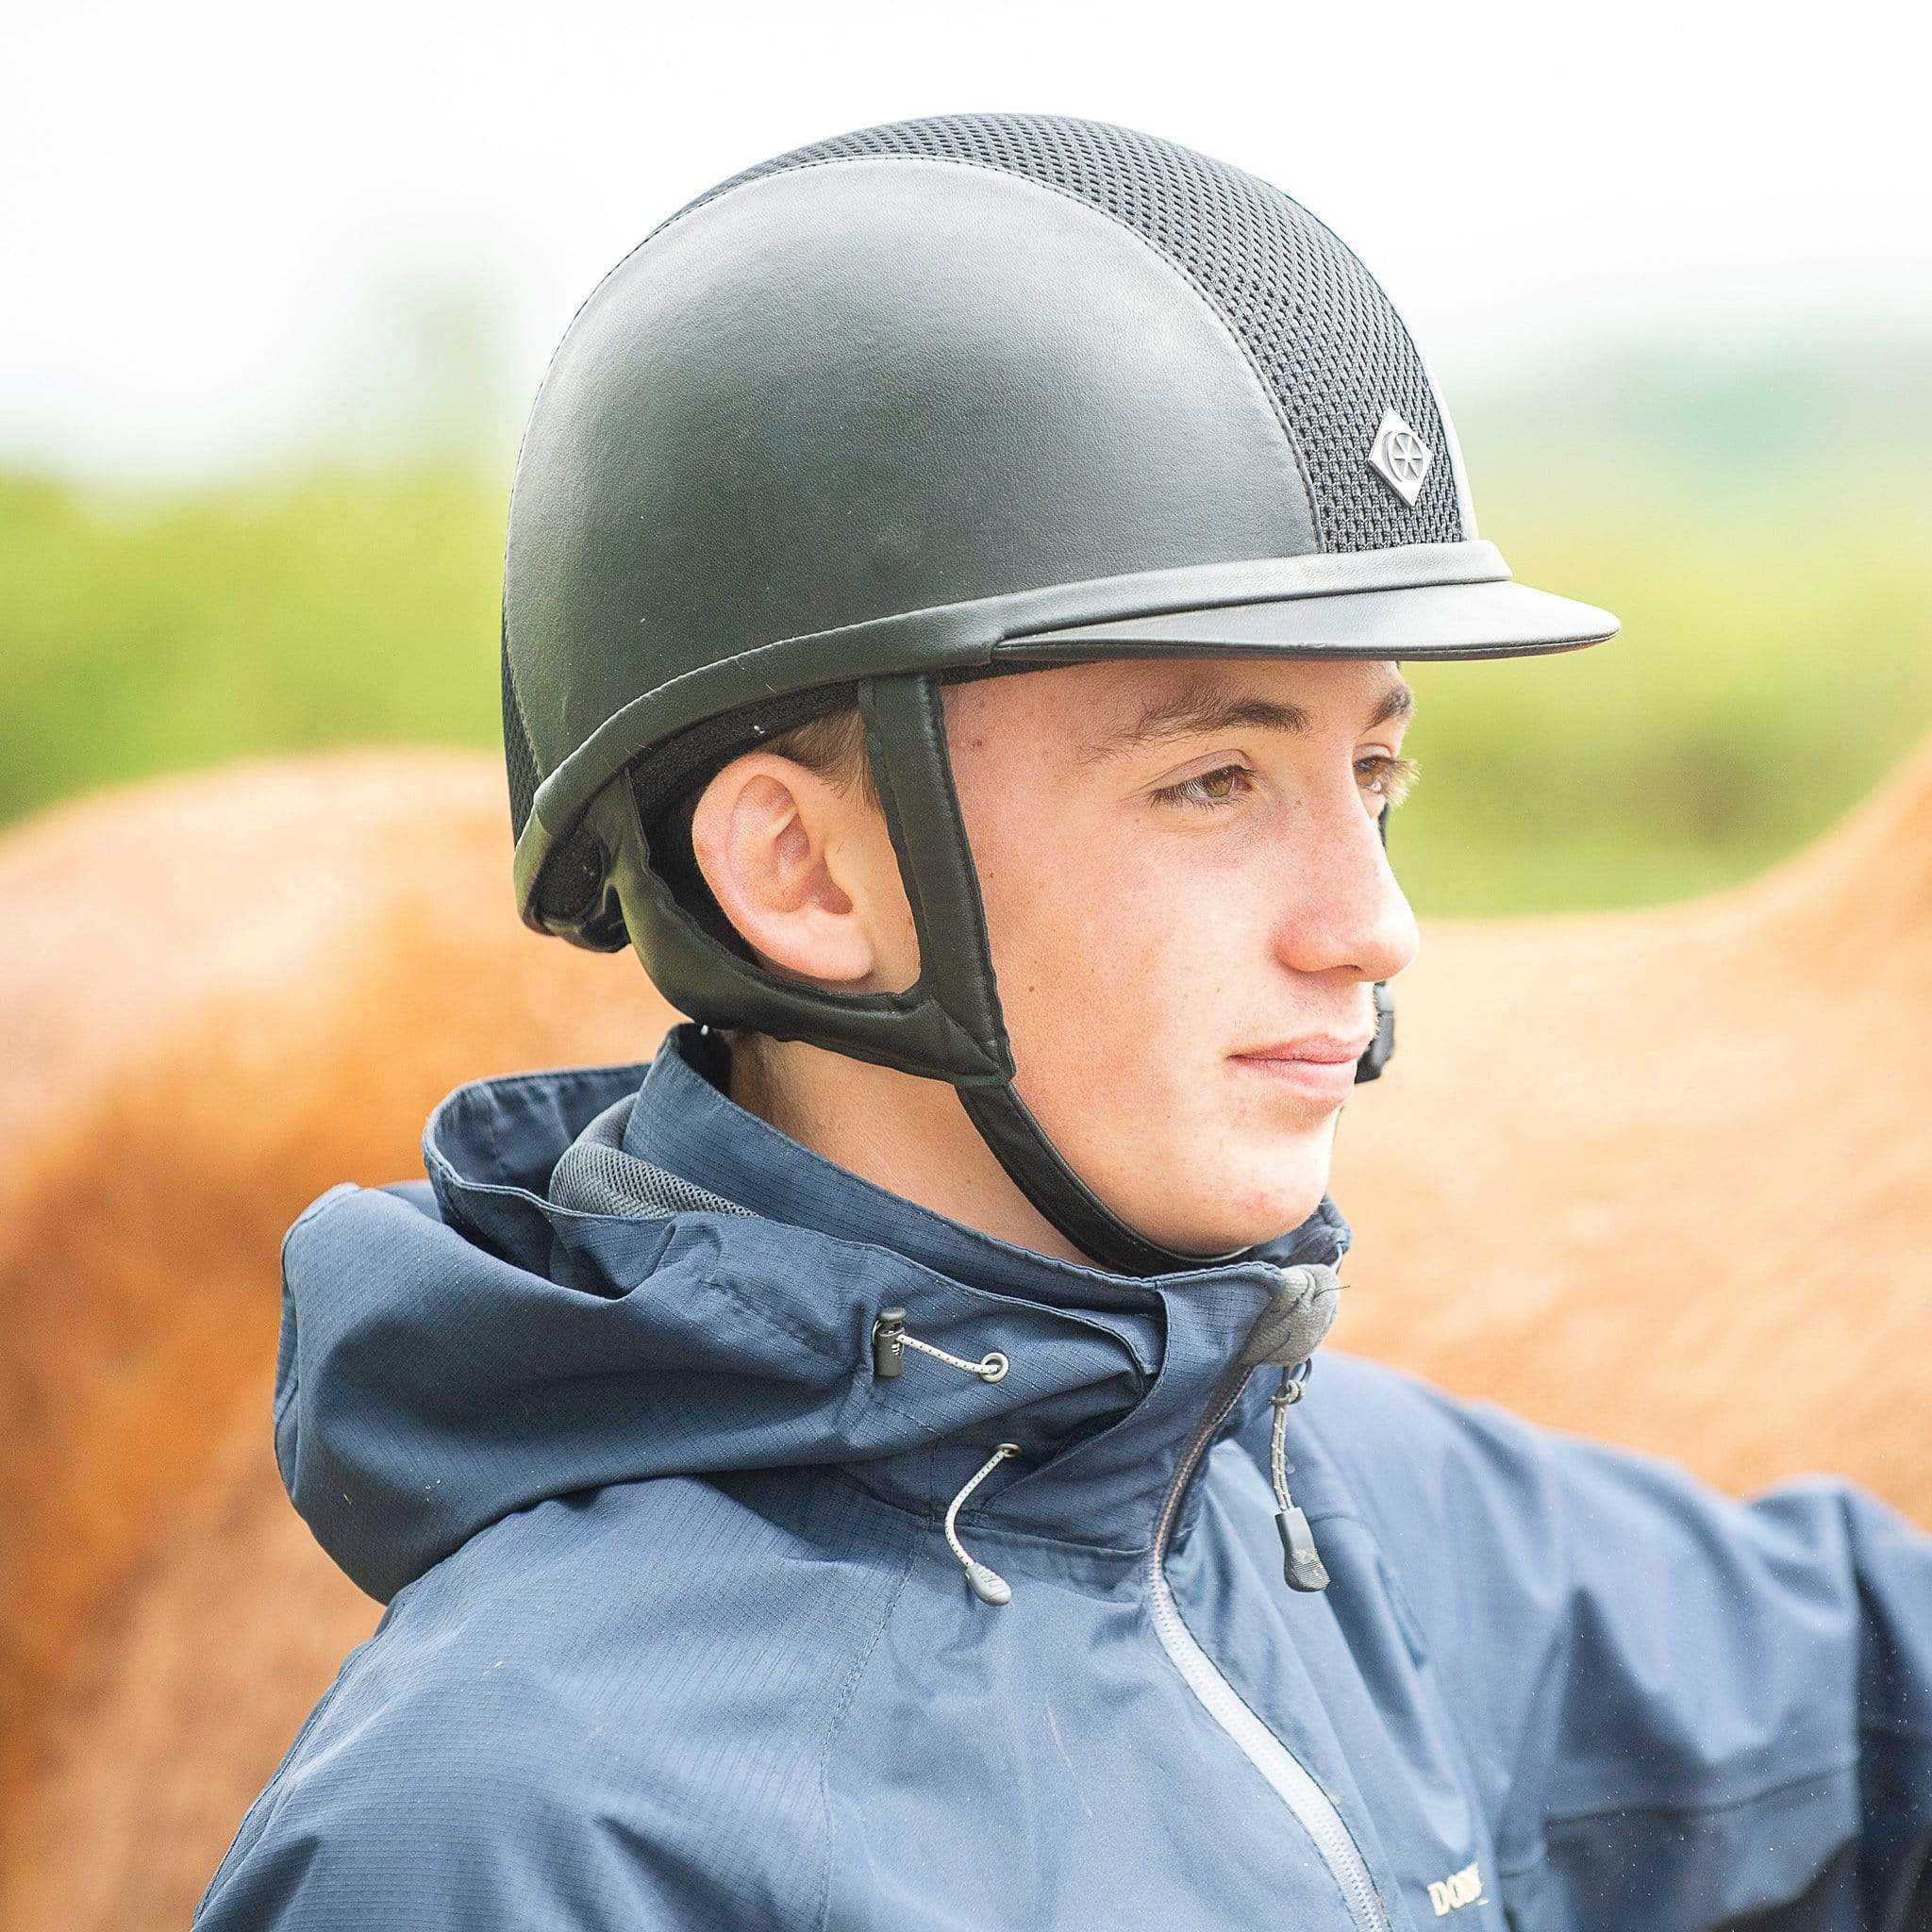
[(1197, 709)]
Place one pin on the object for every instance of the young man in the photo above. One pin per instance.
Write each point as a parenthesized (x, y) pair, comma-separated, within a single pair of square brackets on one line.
[(877, 1465)]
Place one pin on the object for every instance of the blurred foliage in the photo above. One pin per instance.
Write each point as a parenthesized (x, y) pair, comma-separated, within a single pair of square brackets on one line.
[(1773, 665), (143, 633)]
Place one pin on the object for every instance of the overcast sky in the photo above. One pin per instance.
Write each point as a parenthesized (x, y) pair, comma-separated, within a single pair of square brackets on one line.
[(217, 219)]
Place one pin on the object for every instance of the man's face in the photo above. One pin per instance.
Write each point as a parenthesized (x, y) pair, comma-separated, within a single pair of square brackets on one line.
[(1183, 878)]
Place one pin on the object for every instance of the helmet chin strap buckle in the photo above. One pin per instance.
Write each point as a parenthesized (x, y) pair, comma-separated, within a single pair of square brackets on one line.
[(1375, 1055)]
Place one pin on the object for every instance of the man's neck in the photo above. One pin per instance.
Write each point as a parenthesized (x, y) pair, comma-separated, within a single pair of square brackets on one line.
[(910, 1136)]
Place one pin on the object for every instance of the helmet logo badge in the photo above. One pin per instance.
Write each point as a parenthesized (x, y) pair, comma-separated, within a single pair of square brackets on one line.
[(1399, 457)]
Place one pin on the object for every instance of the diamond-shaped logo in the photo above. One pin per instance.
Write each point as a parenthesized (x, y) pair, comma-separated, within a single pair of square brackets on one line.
[(1399, 457)]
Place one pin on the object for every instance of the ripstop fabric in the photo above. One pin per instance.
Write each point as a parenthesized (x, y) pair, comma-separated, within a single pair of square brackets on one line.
[(675, 1635)]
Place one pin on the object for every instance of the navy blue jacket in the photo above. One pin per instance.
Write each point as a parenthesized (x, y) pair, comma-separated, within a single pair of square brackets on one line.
[(678, 1636)]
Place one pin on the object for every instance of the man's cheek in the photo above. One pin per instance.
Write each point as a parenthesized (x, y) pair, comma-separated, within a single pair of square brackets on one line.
[(1115, 968)]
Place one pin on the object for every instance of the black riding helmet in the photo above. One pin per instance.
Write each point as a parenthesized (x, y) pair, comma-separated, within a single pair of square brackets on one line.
[(939, 399)]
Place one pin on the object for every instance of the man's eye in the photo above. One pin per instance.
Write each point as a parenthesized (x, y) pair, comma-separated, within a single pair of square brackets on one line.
[(1387, 777), (1208, 789)]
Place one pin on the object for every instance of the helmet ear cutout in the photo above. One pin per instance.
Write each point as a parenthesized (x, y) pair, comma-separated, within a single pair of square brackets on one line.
[(723, 986)]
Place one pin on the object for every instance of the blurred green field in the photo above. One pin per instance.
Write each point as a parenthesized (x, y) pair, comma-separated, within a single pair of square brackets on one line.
[(1773, 665)]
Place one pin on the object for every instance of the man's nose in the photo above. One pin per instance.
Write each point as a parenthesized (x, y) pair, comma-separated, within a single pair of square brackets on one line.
[(1344, 907)]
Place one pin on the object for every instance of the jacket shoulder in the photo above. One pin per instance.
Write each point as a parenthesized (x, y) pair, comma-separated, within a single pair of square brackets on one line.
[(611, 1709)]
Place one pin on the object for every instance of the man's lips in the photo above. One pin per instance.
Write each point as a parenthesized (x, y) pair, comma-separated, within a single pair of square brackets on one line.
[(1319, 1065), (1326, 1049)]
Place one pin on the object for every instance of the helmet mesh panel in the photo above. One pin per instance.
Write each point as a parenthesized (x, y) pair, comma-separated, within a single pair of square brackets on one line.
[(1330, 349), (520, 759)]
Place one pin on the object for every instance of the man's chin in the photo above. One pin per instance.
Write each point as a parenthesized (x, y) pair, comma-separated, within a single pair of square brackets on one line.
[(1211, 1194), (1242, 1225)]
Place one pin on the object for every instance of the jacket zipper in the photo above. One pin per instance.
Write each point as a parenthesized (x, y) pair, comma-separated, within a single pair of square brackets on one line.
[(1292, 1781)]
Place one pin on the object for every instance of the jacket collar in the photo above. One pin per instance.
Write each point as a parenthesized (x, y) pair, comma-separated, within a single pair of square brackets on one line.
[(558, 1311), (1110, 1374)]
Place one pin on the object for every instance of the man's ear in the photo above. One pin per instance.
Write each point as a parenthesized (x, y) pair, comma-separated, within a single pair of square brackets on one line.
[(805, 874)]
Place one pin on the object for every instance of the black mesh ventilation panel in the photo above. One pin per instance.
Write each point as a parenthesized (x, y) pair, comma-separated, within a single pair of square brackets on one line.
[(517, 757), (1332, 352)]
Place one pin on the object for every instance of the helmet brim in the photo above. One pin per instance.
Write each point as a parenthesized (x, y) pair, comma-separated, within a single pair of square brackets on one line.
[(1410, 602), (1467, 620)]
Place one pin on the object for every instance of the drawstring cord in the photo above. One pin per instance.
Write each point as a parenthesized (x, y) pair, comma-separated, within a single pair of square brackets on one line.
[(989, 1586), (1287, 1332), (890, 1342), (1301, 1562)]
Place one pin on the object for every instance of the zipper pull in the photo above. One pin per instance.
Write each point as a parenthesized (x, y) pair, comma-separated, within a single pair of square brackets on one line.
[(1301, 1566)]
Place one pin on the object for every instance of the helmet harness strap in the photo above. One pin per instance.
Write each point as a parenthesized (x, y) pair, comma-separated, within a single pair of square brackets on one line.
[(906, 741)]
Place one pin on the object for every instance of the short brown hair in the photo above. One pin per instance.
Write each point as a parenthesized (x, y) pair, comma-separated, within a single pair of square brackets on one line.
[(834, 747)]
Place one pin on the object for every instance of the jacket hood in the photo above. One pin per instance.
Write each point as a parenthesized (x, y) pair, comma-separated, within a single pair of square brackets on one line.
[(613, 1273)]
